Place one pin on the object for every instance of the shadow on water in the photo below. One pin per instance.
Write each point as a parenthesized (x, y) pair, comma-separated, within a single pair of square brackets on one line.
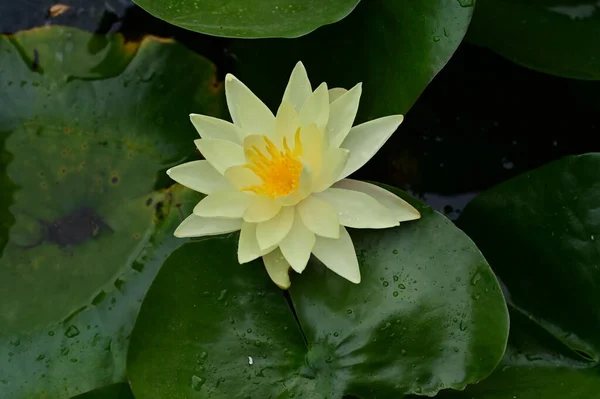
[(481, 121)]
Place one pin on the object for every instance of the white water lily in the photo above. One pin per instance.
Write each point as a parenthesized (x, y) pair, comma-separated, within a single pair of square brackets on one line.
[(281, 179)]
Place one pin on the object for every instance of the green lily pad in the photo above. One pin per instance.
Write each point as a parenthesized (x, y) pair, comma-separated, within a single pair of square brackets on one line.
[(539, 231), (394, 47), (546, 35), (428, 314), (250, 19), (85, 222)]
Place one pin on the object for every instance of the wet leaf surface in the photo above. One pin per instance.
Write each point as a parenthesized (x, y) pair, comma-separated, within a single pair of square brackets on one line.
[(427, 315), (86, 220)]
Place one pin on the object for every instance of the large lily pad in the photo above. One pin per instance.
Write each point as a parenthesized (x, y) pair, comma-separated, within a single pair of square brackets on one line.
[(88, 126), (428, 314), (556, 37), (539, 232), (250, 19), (394, 47)]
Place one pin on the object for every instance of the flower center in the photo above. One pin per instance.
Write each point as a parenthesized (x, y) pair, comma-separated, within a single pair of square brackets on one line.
[(279, 170)]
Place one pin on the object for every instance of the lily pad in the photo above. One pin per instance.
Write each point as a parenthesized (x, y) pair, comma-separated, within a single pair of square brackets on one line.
[(546, 35), (250, 19), (85, 221), (427, 315), (539, 231), (394, 47)]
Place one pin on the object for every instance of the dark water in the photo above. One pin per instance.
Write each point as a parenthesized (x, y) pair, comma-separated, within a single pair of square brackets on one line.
[(481, 121)]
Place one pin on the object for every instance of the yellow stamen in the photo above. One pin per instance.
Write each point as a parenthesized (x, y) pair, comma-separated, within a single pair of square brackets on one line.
[(279, 171)]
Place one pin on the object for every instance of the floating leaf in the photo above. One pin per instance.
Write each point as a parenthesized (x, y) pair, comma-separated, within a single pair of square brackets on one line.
[(546, 35), (394, 47), (85, 223), (539, 231), (249, 19), (427, 315)]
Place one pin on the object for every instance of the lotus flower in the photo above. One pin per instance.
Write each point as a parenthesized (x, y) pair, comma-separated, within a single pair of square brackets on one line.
[(281, 179)]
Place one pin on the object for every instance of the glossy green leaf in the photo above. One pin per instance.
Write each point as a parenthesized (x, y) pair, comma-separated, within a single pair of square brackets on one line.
[(428, 314), (85, 223), (556, 37), (250, 18), (117, 391), (539, 231), (394, 47)]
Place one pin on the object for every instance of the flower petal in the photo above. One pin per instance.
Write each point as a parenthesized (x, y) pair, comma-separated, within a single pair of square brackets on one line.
[(298, 88), (341, 115), (316, 108), (366, 139), (402, 210), (334, 162), (221, 154), (214, 128), (278, 269), (248, 249), (196, 226), (287, 122), (241, 177), (358, 210), (339, 255), (261, 209), (271, 232), (312, 147), (247, 111), (335, 93), (319, 216), (297, 245), (199, 176), (224, 204)]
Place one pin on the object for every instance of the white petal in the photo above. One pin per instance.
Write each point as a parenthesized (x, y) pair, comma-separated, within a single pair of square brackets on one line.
[(247, 111), (277, 268), (248, 249), (241, 177), (341, 115), (402, 210), (196, 226), (214, 128), (312, 148), (366, 139), (261, 209), (339, 255), (302, 191), (335, 93), (224, 204), (297, 245), (221, 154), (358, 210), (287, 122), (316, 108), (334, 162), (298, 88), (320, 217), (271, 232), (199, 176)]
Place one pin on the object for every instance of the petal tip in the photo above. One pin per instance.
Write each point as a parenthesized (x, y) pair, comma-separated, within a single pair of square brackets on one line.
[(230, 78)]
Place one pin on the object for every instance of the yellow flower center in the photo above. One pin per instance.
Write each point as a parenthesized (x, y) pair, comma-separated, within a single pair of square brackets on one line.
[(279, 170)]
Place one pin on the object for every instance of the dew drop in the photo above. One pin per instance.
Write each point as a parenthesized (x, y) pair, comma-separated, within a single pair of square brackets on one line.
[(197, 383), (72, 331)]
